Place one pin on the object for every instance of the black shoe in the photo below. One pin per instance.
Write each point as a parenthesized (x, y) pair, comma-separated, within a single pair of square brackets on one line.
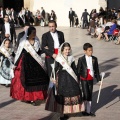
[(85, 113), (88, 114), (33, 103), (92, 114), (62, 118), (66, 116), (107, 40), (7, 85), (88, 34), (28, 102)]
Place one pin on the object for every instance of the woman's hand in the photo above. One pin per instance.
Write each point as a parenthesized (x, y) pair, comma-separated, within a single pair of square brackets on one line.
[(54, 56), (53, 81), (46, 47), (7, 35)]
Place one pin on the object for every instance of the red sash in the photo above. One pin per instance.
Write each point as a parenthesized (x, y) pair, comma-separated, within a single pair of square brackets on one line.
[(89, 77), (55, 52)]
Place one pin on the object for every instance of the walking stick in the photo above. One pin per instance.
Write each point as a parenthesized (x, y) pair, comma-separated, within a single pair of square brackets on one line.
[(102, 74)]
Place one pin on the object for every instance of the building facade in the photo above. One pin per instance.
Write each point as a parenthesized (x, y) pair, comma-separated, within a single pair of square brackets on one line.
[(61, 7)]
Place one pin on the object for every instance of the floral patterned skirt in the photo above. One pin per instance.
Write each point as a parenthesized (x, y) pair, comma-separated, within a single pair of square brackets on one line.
[(64, 105)]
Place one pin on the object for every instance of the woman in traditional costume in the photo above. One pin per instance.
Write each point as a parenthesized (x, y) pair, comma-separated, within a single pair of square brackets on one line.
[(6, 62), (64, 91), (31, 80)]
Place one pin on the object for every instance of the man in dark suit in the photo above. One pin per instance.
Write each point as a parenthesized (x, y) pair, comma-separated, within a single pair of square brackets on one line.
[(42, 17), (88, 69), (51, 41), (2, 14), (43, 12), (84, 17), (7, 11), (27, 15), (13, 15), (12, 25), (71, 17), (7, 29)]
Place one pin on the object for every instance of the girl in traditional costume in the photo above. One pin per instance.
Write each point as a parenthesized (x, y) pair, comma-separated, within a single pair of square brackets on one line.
[(64, 94), (6, 62), (31, 80)]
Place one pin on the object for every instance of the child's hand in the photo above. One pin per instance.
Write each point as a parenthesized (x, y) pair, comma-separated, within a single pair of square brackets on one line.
[(99, 83), (14, 67)]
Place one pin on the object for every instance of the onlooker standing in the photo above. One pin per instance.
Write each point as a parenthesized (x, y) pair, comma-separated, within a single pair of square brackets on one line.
[(2, 12), (71, 17), (7, 29), (53, 15), (13, 15), (27, 15), (23, 11), (76, 21), (12, 29), (42, 17), (21, 18), (7, 11), (85, 18), (37, 17)]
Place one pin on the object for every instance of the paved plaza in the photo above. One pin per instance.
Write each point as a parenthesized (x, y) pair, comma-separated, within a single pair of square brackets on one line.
[(108, 107)]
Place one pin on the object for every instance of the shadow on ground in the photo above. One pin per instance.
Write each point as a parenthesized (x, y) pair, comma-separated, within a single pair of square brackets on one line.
[(108, 94), (7, 103)]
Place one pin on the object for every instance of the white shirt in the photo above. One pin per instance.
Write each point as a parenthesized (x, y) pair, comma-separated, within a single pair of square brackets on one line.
[(37, 14), (7, 12), (23, 12), (41, 11), (109, 24), (70, 11), (12, 14), (7, 28), (1, 14), (89, 65), (55, 38)]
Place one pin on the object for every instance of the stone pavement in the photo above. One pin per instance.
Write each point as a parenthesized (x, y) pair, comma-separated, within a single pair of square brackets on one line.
[(108, 107)]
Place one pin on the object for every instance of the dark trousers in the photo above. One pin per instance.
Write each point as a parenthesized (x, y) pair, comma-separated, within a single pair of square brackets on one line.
[(1, 40), (71, 22), (85, 24), (87, 88), (13, 35), (48, 62)]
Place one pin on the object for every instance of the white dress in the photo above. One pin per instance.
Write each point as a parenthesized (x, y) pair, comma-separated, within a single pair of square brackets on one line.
[(6, 68)]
